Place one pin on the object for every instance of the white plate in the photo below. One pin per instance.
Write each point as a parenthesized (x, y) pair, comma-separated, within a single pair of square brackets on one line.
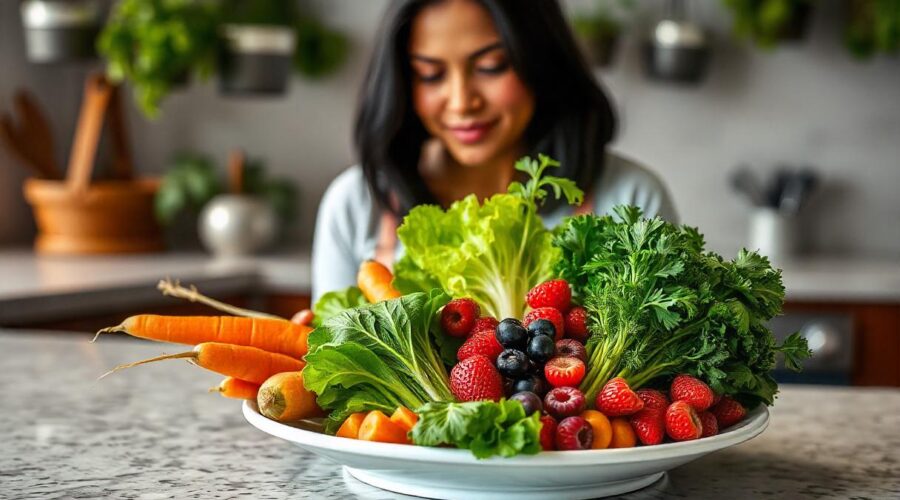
[(451, 473)]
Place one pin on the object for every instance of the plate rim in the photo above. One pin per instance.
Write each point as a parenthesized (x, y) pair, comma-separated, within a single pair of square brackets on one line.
[(753, 424)]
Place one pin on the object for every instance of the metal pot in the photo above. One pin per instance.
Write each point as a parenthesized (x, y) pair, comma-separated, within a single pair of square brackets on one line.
[(255, 59), (677, 51), (233, 225), (59, 30)]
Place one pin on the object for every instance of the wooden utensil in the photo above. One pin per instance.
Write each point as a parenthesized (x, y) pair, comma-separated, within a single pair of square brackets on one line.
[(36, 133), (236, 163), (94, 105)]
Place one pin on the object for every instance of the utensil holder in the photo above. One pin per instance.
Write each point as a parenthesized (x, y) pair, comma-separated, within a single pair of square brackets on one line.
[(773, 234), (78, 216)]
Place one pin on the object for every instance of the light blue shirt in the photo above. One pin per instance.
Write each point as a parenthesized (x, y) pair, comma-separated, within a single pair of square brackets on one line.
[(347, 225)]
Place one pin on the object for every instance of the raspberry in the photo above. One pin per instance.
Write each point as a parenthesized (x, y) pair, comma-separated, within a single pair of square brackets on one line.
[(728, 412), (561, 372), (653, 398), (574, 433), (692, 390), (458, 317), (548, 433), (682, 423), (481, 342), (476, 379), (617, 399), (553, 293), (564, 402), (709, 424), (576, 324), (550, 314), (569, 348), (649, 425)]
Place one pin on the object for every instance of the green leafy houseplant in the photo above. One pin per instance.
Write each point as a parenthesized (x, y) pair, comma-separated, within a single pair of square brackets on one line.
[(767, 22), (154, 44), (873, 26), (599, 30), (193, 180)]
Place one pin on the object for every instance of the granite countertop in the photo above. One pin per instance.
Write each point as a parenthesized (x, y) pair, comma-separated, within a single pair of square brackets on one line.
[(153, 432)]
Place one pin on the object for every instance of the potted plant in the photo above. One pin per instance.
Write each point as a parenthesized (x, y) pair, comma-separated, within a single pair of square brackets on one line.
[(320, 49), (873, 26), (599, 31), (768, 22), (60, 31), (257, 45), (158, 44)]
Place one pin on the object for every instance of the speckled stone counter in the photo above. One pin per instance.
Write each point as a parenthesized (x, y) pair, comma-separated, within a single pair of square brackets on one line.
[(153, 432)]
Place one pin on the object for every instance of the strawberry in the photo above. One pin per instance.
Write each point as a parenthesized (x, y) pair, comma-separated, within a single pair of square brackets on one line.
[(617, 399), (728, 412), (550, 314), (564, 372), (553, 293), (458, 317), (708, 421), (481, 342), (576, 324), (682, 423), (649, 425), (692, 390), (653, 398), (476, 379), (485, 323), (548, 433)]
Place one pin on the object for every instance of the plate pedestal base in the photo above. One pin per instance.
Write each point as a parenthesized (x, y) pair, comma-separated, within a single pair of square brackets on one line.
[(410, 486)]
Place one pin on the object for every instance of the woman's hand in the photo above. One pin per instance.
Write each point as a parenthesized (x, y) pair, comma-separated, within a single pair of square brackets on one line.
[(304, 317)]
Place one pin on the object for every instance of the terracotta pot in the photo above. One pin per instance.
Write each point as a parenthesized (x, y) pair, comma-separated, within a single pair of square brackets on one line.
[(109, 217)]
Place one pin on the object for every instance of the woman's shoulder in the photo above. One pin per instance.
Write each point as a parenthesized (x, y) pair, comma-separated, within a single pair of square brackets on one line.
[(348, 193), (626, 181)]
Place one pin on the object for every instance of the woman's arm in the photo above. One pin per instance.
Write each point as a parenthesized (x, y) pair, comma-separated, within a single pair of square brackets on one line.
[(334, 261)]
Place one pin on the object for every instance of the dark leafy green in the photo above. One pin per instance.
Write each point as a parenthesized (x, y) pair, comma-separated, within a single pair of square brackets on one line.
[(334, 302), (658, 305)]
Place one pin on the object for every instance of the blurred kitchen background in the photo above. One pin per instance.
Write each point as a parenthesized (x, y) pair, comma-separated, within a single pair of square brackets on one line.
[(780, 137)]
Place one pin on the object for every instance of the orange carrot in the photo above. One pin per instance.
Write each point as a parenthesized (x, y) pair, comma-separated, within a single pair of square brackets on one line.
[(404, 417), (284, 398), (375, 282), (378, 427), (246, 363), (273, 335), (350, 427), (236, 388)]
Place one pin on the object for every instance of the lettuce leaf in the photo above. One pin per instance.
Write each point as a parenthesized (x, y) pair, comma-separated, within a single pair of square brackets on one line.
[(378, 356), (492, 252), (336, 301), (486, 428)]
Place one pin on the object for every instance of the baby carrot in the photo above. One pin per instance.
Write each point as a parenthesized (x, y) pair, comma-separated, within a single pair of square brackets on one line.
[(236, 388), (375, 282), (273, 335), (246, 363)]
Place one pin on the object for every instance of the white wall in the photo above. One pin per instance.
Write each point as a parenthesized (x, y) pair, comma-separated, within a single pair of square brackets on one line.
[(809, 104)]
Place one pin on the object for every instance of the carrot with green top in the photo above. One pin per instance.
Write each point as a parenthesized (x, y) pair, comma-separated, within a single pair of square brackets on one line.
[(273, 335), (246, 363), (374, 280)]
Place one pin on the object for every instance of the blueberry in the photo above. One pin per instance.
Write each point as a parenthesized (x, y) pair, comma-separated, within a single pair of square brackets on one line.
[(531, 383), (512, 363), (511, 334), (530, 401), (541, 327), (541, 348)]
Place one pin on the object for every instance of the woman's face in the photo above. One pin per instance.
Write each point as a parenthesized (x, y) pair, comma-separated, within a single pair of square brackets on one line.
[(464, 88)]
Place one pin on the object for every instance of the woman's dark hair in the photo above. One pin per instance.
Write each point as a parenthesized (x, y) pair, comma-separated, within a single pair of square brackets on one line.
[(573, 120)]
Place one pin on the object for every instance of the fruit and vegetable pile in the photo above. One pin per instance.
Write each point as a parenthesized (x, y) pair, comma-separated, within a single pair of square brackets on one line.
[(497, 335)]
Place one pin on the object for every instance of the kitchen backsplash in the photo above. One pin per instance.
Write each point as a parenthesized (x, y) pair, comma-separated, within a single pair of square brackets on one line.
[(806, 104)]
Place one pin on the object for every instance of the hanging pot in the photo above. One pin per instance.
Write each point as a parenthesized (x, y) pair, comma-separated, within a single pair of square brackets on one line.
[(677, 51), (60, 30), (255, 59)]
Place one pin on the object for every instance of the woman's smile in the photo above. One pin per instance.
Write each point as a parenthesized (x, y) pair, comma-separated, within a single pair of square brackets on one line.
[(471, 132)]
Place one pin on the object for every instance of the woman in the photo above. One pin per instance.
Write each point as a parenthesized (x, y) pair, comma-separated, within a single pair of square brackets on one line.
[(456, 91)]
